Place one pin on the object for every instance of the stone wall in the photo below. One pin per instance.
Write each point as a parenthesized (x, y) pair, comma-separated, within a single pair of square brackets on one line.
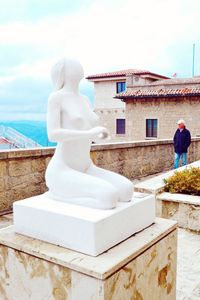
[(140, 159), (22, 174), (22, 171)]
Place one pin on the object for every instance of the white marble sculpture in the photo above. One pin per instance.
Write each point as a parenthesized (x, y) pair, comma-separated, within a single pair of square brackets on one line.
[(71, 175)]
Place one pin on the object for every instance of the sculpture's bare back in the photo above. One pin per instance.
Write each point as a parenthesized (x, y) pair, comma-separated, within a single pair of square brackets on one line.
[(71, 175)]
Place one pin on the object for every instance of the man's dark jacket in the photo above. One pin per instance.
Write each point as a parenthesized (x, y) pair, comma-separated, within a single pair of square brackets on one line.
[(182, 140)]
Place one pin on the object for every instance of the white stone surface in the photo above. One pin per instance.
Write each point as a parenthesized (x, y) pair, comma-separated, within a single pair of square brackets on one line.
[(72, 123), (87, 230)]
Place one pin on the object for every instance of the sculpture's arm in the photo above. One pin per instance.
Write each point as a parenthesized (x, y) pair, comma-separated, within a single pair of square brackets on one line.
[(102, 133), (58, 134)]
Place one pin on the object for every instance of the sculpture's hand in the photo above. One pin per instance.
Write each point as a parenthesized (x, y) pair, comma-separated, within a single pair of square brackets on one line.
[(99, 132)]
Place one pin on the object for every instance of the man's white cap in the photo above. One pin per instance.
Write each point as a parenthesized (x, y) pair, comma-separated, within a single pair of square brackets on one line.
[(181, 121)]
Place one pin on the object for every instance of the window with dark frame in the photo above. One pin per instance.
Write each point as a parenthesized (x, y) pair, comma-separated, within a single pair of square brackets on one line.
[(120, 126), (151, 127), (120, 87)]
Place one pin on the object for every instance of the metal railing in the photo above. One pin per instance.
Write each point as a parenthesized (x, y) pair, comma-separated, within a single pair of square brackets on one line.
[(17, 139)]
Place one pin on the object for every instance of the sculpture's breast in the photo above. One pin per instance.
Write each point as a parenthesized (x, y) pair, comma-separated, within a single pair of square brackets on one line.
[(78, 122), (78, 117)]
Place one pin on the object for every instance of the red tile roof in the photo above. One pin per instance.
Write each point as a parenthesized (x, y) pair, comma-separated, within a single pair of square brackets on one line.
[(124, 73), (177, 81), (3, 140), (156, 93)]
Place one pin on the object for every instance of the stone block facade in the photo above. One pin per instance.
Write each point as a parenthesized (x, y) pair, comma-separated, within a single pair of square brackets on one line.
[(104, 91), (166, 111), (107, 108), (108, 118)]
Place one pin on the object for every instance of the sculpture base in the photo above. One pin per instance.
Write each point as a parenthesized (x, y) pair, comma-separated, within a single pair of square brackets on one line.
[(87, 230), (141, 267)]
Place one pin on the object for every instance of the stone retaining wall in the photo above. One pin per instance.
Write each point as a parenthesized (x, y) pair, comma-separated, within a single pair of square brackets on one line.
[(141, 158), (22, 171), (185, 209), (22, 174)]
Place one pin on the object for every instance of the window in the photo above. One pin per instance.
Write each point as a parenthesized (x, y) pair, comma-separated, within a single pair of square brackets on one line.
[(120, 126), (151, 127), (121, 86)]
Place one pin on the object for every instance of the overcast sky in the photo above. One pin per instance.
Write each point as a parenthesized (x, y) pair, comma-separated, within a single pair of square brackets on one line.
[(105, 35)]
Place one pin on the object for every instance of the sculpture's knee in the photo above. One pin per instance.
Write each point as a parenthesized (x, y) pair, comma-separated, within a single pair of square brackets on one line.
[(108, 197), (129, 188), (126, 191)]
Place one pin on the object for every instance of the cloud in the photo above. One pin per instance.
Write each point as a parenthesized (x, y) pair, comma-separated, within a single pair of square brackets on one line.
[(123, 33), (24, 98), (104, 35), (32, 10), (25, 90)]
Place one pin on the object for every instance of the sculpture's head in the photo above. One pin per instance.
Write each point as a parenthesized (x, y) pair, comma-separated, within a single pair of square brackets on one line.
[(66, 70)]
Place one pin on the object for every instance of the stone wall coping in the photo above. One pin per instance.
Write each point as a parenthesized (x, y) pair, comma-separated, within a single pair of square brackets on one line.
[(156, 184), (49, 151), (183, 198), (21, 153), (100, 267), (132, 144)]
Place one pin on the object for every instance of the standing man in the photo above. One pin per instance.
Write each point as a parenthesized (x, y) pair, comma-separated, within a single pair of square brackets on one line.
[(182, 140)]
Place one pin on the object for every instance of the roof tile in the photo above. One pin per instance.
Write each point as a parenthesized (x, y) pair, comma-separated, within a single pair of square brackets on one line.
[(162, 92), (124, 73)]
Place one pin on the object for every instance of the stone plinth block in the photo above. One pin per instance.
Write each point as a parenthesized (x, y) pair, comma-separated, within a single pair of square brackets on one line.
[(141, 267), (87, 230), (185, 209)]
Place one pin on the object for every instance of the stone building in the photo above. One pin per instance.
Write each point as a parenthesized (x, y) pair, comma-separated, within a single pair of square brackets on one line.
[(153, 109), (112, 111)]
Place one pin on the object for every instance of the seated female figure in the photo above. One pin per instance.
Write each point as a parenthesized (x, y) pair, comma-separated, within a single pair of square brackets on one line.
[(71, 175)]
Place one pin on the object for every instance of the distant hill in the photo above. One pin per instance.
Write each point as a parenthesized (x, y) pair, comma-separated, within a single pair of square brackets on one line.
[(36, 130)]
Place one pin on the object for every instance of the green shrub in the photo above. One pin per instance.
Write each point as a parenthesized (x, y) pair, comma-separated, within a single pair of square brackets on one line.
[(184, 182)]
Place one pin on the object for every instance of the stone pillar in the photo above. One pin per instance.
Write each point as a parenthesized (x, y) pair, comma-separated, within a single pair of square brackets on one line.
[(141, 267)]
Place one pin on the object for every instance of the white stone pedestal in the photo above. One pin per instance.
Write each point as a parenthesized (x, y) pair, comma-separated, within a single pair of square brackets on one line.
[(141, 267), (87, 230)]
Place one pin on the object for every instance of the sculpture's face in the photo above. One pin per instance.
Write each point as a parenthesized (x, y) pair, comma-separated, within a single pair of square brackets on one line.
[(65, 71), (73, 70)]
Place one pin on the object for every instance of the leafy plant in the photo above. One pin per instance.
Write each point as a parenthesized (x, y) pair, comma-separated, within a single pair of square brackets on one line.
[(184, 182)]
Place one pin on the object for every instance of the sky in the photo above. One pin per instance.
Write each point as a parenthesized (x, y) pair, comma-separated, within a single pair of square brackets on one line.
[(104, 35)]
